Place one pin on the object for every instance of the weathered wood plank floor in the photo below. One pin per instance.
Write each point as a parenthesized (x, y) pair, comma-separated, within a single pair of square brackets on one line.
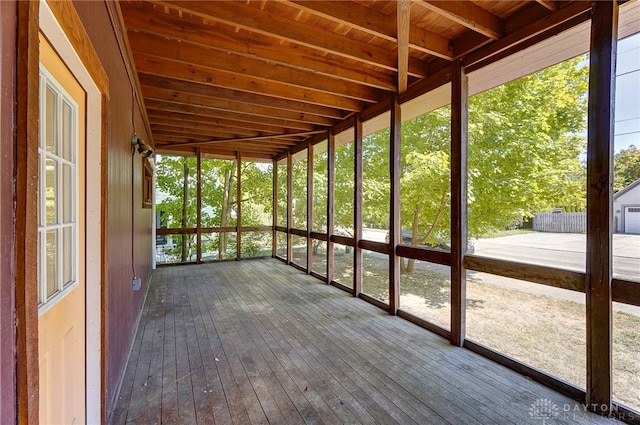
[(257, 342)]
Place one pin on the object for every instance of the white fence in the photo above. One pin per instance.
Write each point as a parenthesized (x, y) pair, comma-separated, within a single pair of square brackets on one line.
[(560, 222)]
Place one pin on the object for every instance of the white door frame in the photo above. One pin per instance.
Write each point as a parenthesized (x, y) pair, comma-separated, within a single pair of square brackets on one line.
[(93, 240)]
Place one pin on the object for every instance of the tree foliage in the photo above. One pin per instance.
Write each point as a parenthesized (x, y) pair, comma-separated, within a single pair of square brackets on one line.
[(376, 182), (176, 188), (344, 189), (626, 168), (525, 142)]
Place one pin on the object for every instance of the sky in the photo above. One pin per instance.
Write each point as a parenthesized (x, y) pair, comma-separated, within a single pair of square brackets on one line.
[(627, 108)]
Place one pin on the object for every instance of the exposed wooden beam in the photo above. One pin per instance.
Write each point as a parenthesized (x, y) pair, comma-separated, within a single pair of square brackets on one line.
[(230, 147), (198, 206), (309, 208), (239, 179), (203, 89), (167, 118), (459, 146), (219, 153), (274, 208), (216, 116), (260, 21), (190, 53), (470, 15), (139, 18), (204, 75), (331, 172), (185, 136), (289, 207), (211, 142), (187, 99), (549, 4), (395, 232), (357, 205), (528, 31), (602, 82), (403, 15), (197, 134), (380, 25)]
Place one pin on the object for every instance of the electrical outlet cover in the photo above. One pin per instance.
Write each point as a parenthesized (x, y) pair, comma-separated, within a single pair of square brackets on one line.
[(136, 284)]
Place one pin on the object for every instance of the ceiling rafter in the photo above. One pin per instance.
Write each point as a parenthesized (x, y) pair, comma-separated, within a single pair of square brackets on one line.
[(256, 99), (186, 52), (204, 75), (256, 78), (163, 116), (403, 12), (379, 25), (172, 27), (208, 113), (470, 15), (188, 99), (207, 142), (549, 4), (252, 19)]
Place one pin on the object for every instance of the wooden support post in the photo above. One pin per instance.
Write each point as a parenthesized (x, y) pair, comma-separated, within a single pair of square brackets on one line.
[(459, 121), (8, 219), (403, 18), (395, 234), (331, 173), (602, 77), (309, 207), (26, 220), (274, 215), (198, 206), (289, 207), (239, 205), (357, 207)]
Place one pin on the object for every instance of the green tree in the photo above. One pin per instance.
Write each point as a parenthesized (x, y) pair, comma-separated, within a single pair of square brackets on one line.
[(626, 167), (344, 189), (299, 192), (176, 189), (177, 201), (376, 182), (218, 200), (525, 142), (425, 180)]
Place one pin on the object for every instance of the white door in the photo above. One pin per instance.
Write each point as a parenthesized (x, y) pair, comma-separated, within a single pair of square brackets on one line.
[(61, 258), (632, 220)]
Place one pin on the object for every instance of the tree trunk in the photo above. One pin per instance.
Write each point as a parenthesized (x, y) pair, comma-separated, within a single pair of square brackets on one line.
[(185, 199), (408, 269)]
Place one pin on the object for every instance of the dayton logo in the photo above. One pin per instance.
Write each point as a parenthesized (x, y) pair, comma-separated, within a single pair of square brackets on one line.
[(544, 409)]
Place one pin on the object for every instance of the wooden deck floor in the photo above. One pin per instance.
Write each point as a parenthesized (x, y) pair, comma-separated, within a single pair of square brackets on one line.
[(257, 342)]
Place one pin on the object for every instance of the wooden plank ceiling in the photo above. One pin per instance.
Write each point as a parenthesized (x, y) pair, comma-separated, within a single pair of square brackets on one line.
[(258, 77)]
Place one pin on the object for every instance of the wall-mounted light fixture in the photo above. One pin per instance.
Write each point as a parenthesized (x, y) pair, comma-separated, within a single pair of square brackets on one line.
[(144, 149)]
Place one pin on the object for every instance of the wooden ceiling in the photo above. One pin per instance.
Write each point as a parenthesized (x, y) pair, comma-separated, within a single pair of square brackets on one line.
[(260, 76)]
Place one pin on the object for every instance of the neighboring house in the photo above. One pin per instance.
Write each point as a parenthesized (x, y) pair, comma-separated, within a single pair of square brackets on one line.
[(626, 209)]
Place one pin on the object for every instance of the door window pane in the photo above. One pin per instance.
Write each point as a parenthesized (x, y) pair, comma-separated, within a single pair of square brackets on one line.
[(67, 131), (57, 191), (50, 122), (67, 194), (67, 255), (52, 262), (51, 190)]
